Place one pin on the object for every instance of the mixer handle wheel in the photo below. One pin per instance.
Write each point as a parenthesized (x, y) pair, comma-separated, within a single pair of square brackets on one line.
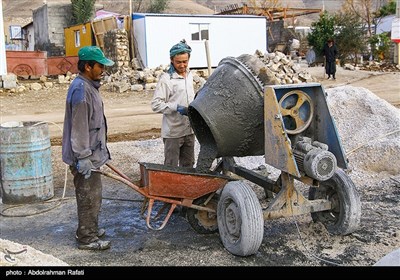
[(297, 110)]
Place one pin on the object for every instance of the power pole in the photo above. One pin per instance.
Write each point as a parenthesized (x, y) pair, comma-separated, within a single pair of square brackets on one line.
[(3, 61), (397, 46)]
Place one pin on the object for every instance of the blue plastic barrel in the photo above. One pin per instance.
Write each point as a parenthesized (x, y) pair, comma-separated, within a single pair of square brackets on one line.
[(25, 163)]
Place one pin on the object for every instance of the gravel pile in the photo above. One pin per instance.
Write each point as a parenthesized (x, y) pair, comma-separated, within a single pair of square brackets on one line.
[(369, 128)]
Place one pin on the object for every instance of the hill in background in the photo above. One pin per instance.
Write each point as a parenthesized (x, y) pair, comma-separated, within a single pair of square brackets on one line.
[(23, 8)]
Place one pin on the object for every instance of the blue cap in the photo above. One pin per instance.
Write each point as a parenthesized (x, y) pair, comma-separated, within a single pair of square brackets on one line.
[(179, 48)]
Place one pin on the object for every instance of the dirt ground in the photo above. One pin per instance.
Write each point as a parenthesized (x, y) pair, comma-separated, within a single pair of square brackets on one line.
[(293, 241), (129, 114)]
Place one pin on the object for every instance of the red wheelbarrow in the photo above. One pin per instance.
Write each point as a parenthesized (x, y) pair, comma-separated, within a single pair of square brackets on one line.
[(177, 186)]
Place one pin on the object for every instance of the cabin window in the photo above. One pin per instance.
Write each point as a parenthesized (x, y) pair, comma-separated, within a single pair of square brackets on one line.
[(77, 38), (199, 31)]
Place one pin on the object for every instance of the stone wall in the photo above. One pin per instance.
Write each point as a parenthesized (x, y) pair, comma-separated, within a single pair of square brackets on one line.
[(116, 47)]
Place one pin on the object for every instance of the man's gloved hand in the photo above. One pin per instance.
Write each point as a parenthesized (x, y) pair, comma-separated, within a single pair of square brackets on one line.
[(182, 110), (84, 167)]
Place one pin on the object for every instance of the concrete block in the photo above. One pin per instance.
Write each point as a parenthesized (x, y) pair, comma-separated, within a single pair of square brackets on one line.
[(9, 81)]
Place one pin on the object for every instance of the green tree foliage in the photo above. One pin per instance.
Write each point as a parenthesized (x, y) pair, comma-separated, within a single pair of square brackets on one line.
[(82, 11), (380, 44), (158, 6), (388, 9), (149, 6), (321, 31), (350, 37)]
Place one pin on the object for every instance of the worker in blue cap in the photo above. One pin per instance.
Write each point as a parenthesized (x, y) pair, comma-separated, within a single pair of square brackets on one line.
[(173, 94), (84, 144)]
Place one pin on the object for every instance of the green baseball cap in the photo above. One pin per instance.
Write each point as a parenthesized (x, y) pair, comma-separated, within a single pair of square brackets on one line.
[(94, 53)]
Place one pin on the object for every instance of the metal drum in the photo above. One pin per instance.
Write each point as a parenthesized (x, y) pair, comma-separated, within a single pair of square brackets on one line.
[(227, 114), (25, 160)]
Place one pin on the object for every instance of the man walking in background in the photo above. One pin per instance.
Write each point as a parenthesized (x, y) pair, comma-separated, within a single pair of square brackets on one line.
[(330, 53)]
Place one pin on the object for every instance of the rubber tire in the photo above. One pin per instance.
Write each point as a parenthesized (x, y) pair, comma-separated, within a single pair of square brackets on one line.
[(344, 217), (240, 219), (196, 222)]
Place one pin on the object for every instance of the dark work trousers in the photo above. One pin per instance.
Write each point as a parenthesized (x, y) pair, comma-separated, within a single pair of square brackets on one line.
[(330, 67), (88, 199), (179, 151)]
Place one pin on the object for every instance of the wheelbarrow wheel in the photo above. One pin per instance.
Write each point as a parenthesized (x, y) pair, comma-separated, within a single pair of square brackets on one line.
[(240, 219), (202, 221), (344, 216)]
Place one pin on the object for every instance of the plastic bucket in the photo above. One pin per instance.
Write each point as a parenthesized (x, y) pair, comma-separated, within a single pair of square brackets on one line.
[(25, 161)]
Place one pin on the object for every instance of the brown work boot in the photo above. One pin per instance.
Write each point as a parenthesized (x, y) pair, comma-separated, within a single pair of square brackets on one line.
[(95, 245)]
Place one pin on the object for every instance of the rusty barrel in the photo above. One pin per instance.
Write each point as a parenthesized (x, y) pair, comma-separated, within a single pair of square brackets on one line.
[(25, 163), (227, 114)]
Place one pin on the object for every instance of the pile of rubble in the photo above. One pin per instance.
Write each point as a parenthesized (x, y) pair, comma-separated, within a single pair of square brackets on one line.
[(275, 68), (374, 66), (271, 68), (380, 66)]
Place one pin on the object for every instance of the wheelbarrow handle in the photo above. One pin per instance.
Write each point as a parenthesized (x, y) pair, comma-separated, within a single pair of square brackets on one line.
[(122, 180), (113, 168)]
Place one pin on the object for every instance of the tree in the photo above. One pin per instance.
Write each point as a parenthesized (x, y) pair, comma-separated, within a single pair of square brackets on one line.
[(82, 11), (366, 10), (388, 9), (350, 37), (152, 6), (380, 45), (321, 31), (158, 6)]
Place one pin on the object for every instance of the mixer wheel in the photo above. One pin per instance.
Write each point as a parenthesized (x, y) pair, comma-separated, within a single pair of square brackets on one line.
[(297, 111), (204, 222), (240, 219), (344, 217)]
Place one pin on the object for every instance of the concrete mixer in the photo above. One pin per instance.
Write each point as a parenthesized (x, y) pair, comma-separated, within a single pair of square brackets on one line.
[(238, 113)]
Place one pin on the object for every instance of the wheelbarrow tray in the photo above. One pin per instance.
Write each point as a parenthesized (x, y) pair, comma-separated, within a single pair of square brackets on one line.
[(179, 182)]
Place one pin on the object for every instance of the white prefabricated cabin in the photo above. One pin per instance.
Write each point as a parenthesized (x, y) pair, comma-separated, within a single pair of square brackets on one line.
[(226, 35)]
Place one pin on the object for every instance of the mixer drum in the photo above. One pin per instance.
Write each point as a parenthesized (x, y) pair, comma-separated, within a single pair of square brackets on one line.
[(227, 114)]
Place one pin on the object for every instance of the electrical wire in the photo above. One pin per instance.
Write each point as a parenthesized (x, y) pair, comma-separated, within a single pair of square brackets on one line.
[(307, 250), (60, 200), (382, 136), (304, 245)]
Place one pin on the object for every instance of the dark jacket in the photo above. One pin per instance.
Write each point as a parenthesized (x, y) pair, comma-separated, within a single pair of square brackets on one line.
[(330, 53), (85, 126)]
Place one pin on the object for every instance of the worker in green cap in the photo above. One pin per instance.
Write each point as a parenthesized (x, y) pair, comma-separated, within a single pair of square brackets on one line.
[(173, 94), (84, 144)]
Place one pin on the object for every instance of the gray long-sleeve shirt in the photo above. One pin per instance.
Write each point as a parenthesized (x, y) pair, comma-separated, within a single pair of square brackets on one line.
[(85, 126), (173, 90)]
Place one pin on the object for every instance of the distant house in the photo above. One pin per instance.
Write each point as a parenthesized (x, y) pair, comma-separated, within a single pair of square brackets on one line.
[(227, 35), (49, 21), (28, 37)]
